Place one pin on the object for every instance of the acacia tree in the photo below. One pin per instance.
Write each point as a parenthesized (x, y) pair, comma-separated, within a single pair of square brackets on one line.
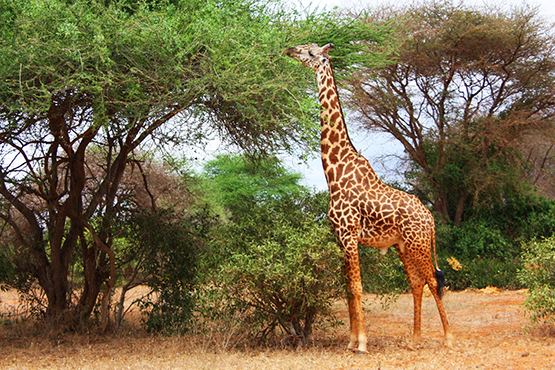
[(464, 90), (85, 84)]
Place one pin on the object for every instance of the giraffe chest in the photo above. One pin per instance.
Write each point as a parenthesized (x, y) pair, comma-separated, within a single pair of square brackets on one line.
[(374, 222)]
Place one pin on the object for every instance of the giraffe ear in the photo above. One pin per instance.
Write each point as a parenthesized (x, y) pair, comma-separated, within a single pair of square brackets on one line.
[(328, 47)]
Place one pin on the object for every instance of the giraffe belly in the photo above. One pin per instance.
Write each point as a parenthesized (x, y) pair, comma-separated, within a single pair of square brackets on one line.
[(382, 242)]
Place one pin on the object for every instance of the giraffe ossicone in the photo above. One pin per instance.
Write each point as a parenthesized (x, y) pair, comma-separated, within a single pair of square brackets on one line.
[(363, 210)]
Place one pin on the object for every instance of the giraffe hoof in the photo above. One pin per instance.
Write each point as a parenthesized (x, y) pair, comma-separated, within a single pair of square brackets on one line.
[(449, 341), (357, 351), (412, 346)]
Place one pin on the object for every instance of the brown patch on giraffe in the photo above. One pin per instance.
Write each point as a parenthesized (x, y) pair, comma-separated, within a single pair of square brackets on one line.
[(350, 166), (333, 154), (333, 137), (334, 116)]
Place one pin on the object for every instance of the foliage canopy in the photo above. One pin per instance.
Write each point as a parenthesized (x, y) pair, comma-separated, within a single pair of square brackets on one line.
[(466, 90), (85, 86)]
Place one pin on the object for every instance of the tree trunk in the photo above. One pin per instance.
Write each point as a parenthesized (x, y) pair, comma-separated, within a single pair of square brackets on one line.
[(56, 295), (92, 284), (440, 207), (460, 209)]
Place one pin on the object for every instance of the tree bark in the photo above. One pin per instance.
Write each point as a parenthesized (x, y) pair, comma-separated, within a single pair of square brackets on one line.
[(460, 208)]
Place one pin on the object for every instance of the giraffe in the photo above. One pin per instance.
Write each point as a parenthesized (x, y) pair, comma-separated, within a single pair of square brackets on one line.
[(365, 211)]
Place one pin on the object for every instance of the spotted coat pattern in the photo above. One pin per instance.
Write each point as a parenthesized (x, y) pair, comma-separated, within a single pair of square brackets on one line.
[(363, 210)]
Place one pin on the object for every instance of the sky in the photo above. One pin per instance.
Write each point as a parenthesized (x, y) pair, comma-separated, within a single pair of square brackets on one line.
[(546, 7), (382, 151)]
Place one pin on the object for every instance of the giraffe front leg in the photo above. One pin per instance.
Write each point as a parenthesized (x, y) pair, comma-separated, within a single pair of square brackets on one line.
[(353, 339), (358, 340)]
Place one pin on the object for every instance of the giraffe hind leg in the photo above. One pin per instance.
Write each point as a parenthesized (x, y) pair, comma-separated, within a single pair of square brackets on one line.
[(425, 270), (417, 292), (438, 295), (417, 282)]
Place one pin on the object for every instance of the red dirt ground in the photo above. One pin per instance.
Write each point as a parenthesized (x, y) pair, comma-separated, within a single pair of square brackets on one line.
[(490, 327)]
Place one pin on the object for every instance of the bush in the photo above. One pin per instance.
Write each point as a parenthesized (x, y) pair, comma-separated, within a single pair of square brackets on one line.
[(538, 274), (480, 273), (7, 271), (10, 275), (382, 275), (166, 247), (273, 261), (482, 253), (489, 243), (385, 275), (475, 239), (285, 280)]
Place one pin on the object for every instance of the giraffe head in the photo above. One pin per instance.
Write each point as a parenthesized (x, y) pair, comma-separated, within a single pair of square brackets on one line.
[(310, 55)]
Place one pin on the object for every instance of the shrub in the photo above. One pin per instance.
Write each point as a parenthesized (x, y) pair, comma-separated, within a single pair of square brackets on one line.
[(273, 261), (475, 239), (286, 280), (488, 255), (166, 247), (489, 242), (480, 273), (7, 271), (538, 274), (383, 275)]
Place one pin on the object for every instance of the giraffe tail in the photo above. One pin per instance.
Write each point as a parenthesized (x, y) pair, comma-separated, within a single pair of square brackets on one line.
[(440, 275)]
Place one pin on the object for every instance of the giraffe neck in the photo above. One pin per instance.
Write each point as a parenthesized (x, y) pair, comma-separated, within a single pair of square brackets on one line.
[(336, 145)]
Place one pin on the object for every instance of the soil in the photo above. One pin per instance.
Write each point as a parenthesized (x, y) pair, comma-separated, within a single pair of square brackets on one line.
[(490, 327)]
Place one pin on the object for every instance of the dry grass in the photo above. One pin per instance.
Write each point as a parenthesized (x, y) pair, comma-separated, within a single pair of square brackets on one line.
[(489, 327)]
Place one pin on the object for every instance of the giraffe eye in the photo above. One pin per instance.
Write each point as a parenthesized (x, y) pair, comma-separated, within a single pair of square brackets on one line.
[(310, 54)]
